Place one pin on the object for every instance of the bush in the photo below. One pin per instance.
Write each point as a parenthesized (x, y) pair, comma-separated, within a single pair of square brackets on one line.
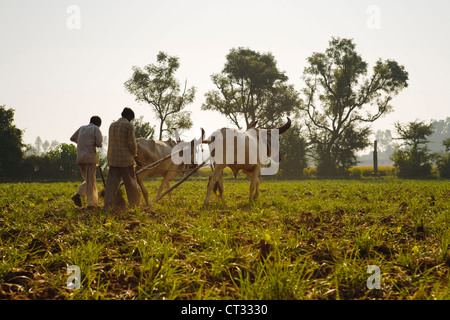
[(355, 173), (57, 165), (310, 172), (443, 166), (412, 163)]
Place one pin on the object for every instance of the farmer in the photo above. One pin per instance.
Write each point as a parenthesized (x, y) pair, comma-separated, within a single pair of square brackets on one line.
[(87, 138), (122, 150)]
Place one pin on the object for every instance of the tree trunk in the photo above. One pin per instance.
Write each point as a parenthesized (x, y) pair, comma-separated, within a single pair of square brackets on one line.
[(375, 159), (327, 166), (161, 129)]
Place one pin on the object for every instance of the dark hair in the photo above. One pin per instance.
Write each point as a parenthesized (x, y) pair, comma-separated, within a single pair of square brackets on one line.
[(96, 120), (128, 114)]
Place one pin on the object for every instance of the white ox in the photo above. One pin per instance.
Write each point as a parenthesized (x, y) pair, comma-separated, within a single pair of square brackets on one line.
[(149, 151), (248, 151)]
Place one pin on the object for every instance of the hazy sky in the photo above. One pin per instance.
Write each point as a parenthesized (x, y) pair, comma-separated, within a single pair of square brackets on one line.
[(56, 77)]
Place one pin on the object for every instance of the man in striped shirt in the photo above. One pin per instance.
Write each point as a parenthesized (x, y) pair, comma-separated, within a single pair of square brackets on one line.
[(122, 150)]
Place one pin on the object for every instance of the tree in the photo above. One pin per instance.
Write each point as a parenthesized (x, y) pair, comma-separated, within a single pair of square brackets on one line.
[(45, 146), (10, 143), (446, 144), (38, 146), (178, 122), (384, 139), (293, 152), (441, 130), (443, 161), (351, 140), (143, 129), (412, 158), (250, 88), (339, 98), (156, 85)]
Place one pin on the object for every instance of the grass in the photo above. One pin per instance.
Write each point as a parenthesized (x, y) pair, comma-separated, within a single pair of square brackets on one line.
[(311, 239)]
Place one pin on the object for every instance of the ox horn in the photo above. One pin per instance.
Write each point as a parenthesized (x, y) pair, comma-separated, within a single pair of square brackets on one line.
[(177, 135), (203, 134), (284, 127), (203, 140)]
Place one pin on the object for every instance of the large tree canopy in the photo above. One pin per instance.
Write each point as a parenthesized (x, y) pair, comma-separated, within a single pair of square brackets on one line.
[(340, 96), (251, 88), (156, 85)]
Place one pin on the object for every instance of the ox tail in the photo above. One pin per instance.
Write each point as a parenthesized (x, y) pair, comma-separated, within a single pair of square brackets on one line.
[(216, 186)]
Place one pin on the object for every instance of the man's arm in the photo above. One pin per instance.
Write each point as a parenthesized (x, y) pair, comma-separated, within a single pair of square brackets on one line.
[(74, 137)]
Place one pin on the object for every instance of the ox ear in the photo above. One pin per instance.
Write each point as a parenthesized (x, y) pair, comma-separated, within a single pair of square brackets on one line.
[(177, 135), (202, 137), (203, 140), (284, 127)]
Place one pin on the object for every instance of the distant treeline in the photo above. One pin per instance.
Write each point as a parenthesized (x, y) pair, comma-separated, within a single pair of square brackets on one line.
[(58, 164), (387, 143)]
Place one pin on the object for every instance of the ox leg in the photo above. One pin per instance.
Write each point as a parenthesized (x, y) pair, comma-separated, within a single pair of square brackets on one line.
[(165, 184), (254, 184), (140, 178), (218, 169), (162, 186), (168, 187), (172, 175), (256, 189), (256, 195), (220, 187)]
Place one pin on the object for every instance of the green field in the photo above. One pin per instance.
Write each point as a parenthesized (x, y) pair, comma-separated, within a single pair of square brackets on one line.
[(312, 239)]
